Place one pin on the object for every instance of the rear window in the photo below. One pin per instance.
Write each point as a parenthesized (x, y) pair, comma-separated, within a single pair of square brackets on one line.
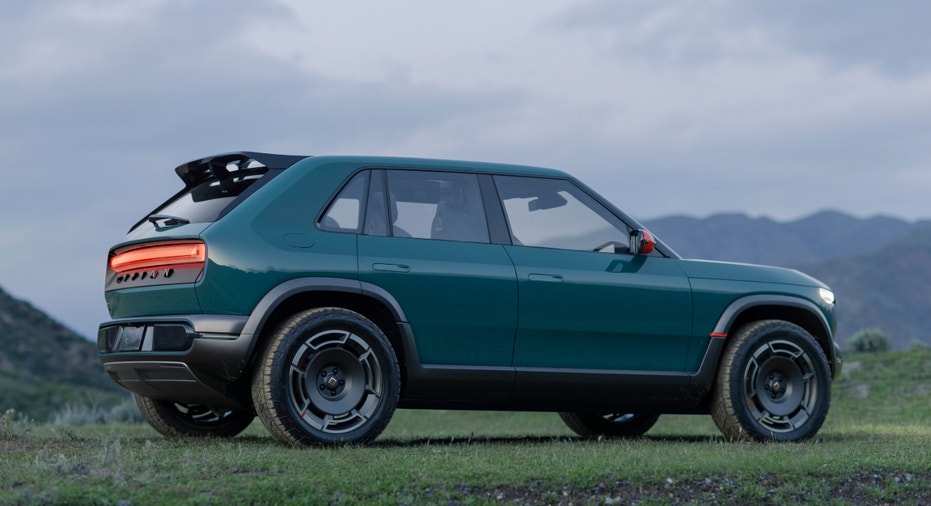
[(207, 201)]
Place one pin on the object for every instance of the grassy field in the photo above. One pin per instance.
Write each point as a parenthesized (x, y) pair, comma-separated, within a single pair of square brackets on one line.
[(875, 448)]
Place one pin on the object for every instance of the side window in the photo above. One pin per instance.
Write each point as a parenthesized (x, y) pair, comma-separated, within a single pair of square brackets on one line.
[(345, 213), (554, 213), (436, 205)]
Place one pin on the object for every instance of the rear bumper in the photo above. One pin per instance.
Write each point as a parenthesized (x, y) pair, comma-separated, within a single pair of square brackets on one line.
[(196, 359)]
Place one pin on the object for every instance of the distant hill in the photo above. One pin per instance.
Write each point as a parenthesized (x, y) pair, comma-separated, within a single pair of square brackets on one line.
[(817, 238), (880, 267), (44, 365), (889, 289)]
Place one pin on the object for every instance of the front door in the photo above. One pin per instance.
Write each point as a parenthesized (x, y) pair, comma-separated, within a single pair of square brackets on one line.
[(586, 302)]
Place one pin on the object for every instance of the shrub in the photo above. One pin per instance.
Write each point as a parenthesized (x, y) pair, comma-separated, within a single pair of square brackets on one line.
[(125, 412), (77, 415), (869, 341), (13, 425)]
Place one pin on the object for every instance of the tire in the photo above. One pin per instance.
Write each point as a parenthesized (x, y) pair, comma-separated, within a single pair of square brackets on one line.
[(610, 425), (773, 384), (328, 376), (175, 419)]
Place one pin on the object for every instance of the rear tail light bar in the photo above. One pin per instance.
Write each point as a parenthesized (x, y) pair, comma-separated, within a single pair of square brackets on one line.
[(159, 256)]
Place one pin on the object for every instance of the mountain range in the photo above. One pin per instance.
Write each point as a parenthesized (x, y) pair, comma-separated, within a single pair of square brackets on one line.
[(44, 366), (879, 269)]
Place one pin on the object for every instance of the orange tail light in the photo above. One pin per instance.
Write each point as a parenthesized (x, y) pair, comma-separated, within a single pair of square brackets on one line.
[(161, 255)]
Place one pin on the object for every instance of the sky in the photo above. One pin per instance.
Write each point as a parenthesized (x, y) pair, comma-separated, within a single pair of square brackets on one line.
[(777, 109)]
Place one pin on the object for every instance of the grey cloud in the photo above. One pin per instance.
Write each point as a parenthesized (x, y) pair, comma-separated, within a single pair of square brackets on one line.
[(889, 36), (681, 33)]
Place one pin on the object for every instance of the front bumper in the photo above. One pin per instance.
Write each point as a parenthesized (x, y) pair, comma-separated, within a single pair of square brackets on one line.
[(195, 359), (838, 361)]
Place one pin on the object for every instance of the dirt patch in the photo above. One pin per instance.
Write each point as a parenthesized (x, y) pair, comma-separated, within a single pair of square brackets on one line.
[(865, 488)]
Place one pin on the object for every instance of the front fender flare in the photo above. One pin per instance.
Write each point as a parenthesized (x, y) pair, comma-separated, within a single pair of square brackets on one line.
[(727, 318), (703, 379)]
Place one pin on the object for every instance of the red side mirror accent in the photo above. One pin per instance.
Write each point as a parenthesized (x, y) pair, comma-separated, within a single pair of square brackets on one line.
[(641, 242), (647, 243)]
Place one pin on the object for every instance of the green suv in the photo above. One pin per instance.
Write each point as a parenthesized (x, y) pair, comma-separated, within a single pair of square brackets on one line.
[(321, 293)]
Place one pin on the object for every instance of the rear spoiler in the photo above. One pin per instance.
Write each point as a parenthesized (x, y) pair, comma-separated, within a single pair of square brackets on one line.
[(216, 167)]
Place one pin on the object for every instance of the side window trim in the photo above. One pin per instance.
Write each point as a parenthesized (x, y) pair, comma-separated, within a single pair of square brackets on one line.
[(376, 216), (498, 229)]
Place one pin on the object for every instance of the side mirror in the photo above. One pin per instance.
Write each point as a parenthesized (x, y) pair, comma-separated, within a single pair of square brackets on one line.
[(641, 242)]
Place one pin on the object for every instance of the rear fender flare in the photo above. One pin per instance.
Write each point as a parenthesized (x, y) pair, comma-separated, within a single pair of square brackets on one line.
[(258, 319)]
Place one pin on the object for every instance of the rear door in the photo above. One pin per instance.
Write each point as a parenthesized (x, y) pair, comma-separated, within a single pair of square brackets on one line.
[(426, 242)]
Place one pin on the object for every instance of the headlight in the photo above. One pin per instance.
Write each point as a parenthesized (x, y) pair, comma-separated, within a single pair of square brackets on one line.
[(826, 295)]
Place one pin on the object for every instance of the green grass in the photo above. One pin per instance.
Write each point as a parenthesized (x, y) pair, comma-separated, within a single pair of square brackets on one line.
[(875, 448)]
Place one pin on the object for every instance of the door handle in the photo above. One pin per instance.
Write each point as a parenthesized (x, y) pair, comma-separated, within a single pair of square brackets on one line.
[(548, 278), (391, 267)]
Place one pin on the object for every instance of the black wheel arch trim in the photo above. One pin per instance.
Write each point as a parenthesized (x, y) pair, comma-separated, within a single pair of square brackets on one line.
[(725, 323), (737, 307), (276, 296)]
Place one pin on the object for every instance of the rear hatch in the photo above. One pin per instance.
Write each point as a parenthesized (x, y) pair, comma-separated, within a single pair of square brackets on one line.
[(166, 241), (212, 187)]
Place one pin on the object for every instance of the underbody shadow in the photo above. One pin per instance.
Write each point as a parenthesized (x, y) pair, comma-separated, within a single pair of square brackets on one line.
[(527, 440)]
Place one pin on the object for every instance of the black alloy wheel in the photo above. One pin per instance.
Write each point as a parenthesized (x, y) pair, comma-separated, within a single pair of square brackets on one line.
[(610, 425), (774, 383), (175, 419), (328, 376)]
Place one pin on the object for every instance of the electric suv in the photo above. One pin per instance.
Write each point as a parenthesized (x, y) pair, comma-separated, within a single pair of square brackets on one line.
[(320, 293)]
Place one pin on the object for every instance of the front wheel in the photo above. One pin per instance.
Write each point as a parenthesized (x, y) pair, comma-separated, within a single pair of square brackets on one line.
[(611, 425), (328, 376), (175, 419), (773, 384)]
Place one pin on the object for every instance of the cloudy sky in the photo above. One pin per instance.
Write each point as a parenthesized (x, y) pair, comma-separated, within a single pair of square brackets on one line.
[(779, 109)]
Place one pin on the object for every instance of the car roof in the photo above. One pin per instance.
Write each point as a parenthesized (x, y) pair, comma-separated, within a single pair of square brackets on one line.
[(196, 171), (437, 164)]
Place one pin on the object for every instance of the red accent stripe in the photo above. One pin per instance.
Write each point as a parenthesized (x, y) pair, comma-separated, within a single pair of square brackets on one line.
[(718, 335)]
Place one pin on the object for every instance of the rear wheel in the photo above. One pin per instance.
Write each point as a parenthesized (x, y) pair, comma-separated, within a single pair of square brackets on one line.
[(594, 425), (773, 384), (328, 376), (175, 419)]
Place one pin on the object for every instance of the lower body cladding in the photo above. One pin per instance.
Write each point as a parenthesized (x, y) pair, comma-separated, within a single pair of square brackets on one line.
[(432, 386), (194, 359), (204, 360)]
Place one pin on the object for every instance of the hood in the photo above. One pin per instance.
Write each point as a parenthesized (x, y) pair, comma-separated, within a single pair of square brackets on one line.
[(705, 269)]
